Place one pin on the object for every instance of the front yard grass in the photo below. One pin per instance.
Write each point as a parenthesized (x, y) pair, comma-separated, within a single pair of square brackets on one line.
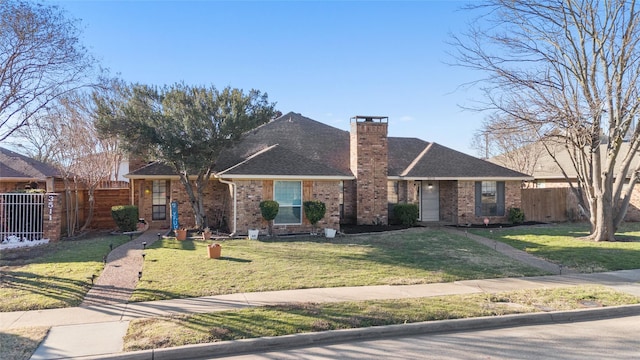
[(175, 269), (54, 275), (287, 319), (20, 344), (564, 244)]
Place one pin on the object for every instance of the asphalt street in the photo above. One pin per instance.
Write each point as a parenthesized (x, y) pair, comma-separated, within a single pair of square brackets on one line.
[(600, 339)]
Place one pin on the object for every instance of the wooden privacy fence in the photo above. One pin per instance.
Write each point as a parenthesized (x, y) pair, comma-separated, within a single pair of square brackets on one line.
[(549, 205), (104, 200)]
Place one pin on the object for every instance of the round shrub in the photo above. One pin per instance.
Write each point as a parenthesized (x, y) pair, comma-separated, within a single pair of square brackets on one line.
[(516, 216), (125, 216), (407, 214), (314, 211), (269, 209)]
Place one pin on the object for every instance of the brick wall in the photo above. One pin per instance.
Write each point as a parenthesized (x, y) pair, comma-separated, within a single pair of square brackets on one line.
[(52, 227), (369, 162), (216, 204), (249, 196), (251, 192), (466, 202), (448, 201), (349, 202)]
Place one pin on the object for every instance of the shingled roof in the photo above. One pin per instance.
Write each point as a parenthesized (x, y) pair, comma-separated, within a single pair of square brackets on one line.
[(442, 163), (296, 146), (17, 167)]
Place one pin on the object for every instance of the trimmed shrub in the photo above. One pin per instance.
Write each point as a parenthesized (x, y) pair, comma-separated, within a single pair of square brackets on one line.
[(269, 210), (407, 214), (125, 216), (516, 216), (314, 211)]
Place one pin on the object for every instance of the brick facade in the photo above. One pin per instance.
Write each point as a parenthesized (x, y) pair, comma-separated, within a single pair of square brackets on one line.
[(52, 227), (466, 202), (369, 163), (251, 192), (448, 201)]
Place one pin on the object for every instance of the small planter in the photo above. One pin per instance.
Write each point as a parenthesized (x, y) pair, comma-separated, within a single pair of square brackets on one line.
[(181, 234), (329, 233), (206, 235), (253, 234), (214, 251)]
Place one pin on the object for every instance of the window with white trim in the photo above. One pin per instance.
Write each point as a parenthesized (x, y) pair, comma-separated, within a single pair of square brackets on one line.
[(288, 194), (159, 200)]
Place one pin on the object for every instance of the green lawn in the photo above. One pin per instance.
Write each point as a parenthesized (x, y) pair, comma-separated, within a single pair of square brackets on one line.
[(564, 244), (174, 269), (54, 275), (298, 318)]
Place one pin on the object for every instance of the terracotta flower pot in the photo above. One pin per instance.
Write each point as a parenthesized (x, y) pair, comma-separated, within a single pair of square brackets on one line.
[(214, 251), (206, 235), (181, 234)]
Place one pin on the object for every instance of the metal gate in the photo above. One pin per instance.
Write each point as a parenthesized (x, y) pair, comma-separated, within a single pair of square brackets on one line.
[(21, 216)]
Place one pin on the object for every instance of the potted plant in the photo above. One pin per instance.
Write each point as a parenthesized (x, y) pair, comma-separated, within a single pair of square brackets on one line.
[(269, 210), (314, 211), (206, 233), (214, 251), (181, 234)]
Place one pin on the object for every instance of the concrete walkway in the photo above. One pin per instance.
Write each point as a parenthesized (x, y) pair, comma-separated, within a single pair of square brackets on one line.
[(96, 329)]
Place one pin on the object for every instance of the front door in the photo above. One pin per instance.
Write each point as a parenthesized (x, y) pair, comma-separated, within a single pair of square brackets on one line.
[(429, 201)]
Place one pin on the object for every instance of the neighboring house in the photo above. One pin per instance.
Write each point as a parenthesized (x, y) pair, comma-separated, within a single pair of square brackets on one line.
[(359, 175), (19, 172), (547, 174)]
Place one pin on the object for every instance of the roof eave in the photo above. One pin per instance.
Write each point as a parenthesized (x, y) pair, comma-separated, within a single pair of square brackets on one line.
[(470, 178), (285, 177)]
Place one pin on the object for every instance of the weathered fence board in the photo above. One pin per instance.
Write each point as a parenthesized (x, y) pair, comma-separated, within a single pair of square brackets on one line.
[(546, 205)]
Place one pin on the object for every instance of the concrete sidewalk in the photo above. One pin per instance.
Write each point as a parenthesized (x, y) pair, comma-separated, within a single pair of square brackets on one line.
[(98, 330)]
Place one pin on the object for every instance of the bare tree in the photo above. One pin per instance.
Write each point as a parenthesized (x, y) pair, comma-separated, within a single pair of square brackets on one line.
[(570, 70), (507, 142), (40, 59), (84, 158)]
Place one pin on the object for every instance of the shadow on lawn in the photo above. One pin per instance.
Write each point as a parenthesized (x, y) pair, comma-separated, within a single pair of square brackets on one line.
[(69, 292)]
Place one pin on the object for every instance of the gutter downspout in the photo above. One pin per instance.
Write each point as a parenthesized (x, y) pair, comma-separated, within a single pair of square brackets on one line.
[(235, 202)]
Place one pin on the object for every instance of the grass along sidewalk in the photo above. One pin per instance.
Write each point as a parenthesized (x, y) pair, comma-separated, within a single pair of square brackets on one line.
[(54, 275), (178, 269), (563, 244), (309, 317), (20, 344)]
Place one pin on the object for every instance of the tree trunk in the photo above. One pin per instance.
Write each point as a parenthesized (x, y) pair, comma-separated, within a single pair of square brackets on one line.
[(196, 199), (602, 224), (92, 202)]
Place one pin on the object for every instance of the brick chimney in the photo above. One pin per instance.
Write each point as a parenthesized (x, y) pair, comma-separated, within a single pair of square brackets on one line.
[(369, 164)]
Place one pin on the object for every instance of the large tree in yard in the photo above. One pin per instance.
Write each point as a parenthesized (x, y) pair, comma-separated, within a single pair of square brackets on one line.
[(41, 59), (183, 126), (570, 70)]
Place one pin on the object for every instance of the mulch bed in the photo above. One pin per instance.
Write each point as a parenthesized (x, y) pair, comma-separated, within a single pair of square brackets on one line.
[(496, 225), (363, 229)]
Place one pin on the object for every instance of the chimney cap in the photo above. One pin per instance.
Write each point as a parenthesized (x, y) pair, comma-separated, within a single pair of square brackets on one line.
[(362, 118)]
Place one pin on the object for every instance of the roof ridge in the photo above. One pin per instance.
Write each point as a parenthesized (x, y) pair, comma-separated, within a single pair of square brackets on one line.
[(416, 160)]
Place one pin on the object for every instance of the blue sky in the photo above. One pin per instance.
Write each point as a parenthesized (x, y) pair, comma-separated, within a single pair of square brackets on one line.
[(328, 60)]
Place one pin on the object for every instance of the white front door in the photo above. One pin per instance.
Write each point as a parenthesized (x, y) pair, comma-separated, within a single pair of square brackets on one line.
[(429, 201)]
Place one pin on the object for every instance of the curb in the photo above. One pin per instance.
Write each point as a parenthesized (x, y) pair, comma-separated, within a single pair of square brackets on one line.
[(278, 343)]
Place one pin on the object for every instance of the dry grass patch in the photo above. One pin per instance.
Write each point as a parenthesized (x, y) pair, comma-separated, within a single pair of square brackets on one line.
[(20, 344), (310, 317)]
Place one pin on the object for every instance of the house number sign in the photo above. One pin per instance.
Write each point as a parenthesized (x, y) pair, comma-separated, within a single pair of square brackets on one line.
[(50, 199)]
